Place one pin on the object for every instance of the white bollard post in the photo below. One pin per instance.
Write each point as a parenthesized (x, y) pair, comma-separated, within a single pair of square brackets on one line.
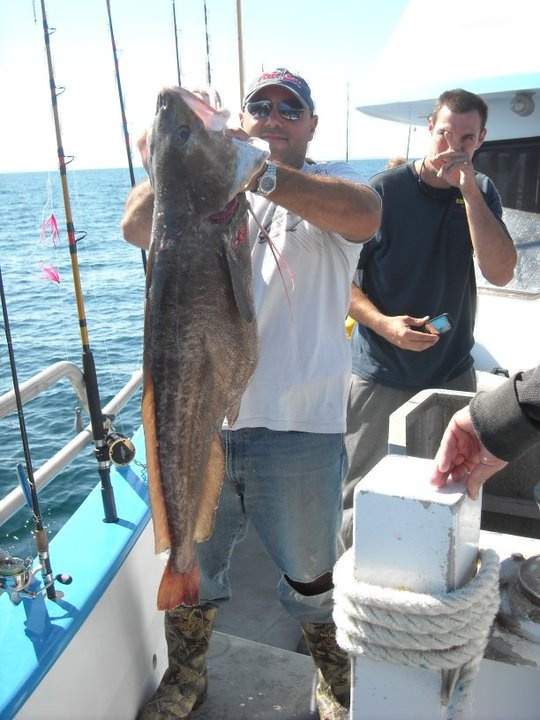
[(410, 536)]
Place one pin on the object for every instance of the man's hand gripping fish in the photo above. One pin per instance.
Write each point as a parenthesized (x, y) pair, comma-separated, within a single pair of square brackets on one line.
[(200, 337)]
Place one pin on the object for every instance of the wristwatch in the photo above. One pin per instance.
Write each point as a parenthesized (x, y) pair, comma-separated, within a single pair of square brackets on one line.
[(267, 181)]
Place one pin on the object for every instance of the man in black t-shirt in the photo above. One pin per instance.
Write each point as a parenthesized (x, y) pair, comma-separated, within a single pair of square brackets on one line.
[(437, 213)]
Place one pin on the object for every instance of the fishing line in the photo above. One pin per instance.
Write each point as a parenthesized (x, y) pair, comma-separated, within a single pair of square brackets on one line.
[(26, 481), (50, 260), (99, 433), (123, 112), (111, 377), (264, 236)]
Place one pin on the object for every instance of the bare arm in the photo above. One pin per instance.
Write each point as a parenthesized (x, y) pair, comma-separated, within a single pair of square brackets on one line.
[(332, 204), (397, 330), (461, 456), (137, 221), (493, 247), (507, 419)]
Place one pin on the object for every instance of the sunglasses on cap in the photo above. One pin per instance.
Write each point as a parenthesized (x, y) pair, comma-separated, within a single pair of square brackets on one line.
[(260, 109)]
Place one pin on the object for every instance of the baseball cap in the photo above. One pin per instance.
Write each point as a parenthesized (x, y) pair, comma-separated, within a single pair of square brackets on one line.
[(281, 76)]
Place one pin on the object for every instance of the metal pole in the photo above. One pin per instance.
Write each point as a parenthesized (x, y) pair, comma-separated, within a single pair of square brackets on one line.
[(240, 48)]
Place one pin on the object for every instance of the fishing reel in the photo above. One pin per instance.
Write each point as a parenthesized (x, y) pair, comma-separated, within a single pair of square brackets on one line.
[(121, 449), (16, 577)]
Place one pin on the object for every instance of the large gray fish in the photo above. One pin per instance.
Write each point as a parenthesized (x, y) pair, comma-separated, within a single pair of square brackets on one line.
[(200, 338)]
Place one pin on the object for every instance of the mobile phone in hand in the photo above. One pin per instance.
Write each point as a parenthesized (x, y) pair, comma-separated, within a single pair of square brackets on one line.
[(437, 325)]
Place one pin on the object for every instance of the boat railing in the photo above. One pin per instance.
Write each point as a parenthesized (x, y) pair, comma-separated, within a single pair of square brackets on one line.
[(46, 378), (14, 500)]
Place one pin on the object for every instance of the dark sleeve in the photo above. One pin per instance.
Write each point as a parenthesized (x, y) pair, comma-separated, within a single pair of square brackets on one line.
[(492, 198), (367, 247), (507, 419), (490, 193)]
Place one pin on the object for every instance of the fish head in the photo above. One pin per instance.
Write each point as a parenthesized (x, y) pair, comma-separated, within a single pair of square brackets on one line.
[(190, 158)]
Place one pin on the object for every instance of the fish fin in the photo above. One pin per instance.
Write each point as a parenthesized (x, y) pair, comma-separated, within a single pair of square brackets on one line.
[(211, 490), (212, 119), (237, 271), (233, 414), (178, 588), (250, 154), (155, 487), (250, 157)]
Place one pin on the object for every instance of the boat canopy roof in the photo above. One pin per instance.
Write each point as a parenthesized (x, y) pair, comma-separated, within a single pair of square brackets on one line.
[(514, 105), (485, 47)]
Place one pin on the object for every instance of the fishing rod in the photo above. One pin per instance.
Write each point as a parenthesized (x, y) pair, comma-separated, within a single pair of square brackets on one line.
[(176, 44), (208, 71), (102, 452), (123, 112), (28, 486)]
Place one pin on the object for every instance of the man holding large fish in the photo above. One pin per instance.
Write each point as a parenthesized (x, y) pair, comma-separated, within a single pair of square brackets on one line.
[(281, 400)]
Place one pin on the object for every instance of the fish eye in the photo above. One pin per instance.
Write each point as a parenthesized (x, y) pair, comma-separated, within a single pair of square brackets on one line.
[(183, 134)]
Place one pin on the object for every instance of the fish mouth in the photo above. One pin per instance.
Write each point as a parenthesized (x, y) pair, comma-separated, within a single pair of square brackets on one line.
[(164, 98), (161, 102)]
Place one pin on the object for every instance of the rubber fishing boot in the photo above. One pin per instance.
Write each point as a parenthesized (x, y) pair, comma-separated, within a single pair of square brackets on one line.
[(183, 685), (333, 671)]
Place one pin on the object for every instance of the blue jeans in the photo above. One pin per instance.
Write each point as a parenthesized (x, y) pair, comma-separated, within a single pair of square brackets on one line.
[(288, 485)]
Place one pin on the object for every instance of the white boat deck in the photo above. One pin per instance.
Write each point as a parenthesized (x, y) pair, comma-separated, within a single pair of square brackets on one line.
[(254, 671), (251, 681), (254, 612)]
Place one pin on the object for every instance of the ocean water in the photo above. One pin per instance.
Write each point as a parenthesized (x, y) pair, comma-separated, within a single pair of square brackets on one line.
[(44, 323)]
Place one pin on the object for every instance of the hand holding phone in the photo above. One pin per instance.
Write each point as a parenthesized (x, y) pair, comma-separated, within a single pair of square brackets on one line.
[(437, 325)]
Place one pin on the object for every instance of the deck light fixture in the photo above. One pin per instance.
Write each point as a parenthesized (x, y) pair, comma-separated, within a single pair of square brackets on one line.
[(522, 103)]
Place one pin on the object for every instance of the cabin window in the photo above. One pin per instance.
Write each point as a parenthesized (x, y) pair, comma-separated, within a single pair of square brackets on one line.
[(514, 167)]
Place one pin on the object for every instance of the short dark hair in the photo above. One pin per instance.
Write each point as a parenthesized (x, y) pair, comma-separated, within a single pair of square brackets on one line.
[(461, 101)]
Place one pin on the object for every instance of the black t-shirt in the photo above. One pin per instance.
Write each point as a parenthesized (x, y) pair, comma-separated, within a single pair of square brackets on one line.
[(420, 263)]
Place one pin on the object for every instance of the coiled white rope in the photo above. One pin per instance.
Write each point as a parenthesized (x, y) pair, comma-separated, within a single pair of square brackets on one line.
[(447, 631)]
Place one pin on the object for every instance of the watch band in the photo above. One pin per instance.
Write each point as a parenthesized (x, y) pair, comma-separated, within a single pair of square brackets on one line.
[(268, 180)]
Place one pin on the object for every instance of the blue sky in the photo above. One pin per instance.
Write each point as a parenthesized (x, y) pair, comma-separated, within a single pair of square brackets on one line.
[(331, 48), (339, 49)]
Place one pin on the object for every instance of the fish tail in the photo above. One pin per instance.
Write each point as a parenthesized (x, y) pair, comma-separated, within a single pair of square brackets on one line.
[(178, 588)]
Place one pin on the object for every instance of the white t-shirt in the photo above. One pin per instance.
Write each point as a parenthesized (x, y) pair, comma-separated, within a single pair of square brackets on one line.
[(302, 377)]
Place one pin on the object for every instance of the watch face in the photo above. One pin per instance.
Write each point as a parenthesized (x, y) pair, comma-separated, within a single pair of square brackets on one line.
[(268, 183)]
